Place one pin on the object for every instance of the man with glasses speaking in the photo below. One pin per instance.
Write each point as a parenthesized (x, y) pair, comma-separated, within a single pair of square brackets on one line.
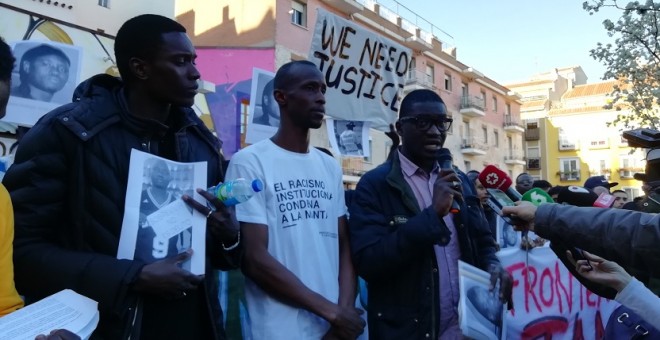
[(405, 242)]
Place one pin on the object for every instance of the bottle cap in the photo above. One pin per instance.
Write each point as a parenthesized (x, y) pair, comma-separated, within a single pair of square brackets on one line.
[(257, 185)]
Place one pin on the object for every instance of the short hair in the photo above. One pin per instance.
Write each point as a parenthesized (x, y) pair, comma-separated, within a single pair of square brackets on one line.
[(6, 61), (541, 183), (417, 96), (619, 190), (472, 175), (284, 74), (37, 52), (555, 190), (522, 174), (141, 37)]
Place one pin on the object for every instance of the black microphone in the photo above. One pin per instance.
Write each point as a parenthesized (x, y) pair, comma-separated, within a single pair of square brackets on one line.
[(446, 163)]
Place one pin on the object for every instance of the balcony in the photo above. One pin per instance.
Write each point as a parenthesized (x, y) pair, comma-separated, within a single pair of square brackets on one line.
[(417, 80), (514, 158), (532, 134), (569, 175), (533, 163), (566, 145), (472, 106), (345, 6), (512, 125), (473, 147), (472, 73)]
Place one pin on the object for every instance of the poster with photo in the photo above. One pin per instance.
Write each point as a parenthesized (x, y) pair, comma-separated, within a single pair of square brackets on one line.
[(264, 113), (45, 76), (157, 223), (507, 237), (481, 313), (349, 138)]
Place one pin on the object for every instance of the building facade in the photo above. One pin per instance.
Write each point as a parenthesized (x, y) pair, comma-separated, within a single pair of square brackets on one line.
[(487, 128)]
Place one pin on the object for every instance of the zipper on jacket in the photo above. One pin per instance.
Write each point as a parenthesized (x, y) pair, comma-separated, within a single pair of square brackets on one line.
[(135, 314)]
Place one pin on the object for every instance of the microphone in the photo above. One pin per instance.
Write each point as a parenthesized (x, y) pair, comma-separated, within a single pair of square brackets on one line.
[(537, 196), (577, 196), (493, 178), (445, 160)]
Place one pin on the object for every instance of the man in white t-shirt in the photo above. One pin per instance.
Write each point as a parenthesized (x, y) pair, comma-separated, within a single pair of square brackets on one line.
[(300, 279)]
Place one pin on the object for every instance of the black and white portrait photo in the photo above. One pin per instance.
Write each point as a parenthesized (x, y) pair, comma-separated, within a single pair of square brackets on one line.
[(163, 185), (507, 237), (349, 137), (45, 71), (44, 77), (264, 111), (481, 311), (158, 224)]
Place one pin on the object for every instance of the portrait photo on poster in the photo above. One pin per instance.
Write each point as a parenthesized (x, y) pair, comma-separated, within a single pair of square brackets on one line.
[(264, 113), (349, 138), (481, 312), (44, 77), (507, 237), (157, 223)]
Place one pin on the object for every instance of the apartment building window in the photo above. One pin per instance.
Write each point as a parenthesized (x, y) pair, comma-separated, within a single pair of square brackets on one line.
[(464, 90), (484, 130), (430, 73), (448, 82), (483, 97), (508, 109), (495, 104), (599, 142), (569, 169), (497, 138), (299, 13), (631, 192), (104, 3), (412, 68), (533, 158), (629, 165)]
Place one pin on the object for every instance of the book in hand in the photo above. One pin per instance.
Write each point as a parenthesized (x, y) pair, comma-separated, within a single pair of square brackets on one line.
[(64, 310), (480, 311)]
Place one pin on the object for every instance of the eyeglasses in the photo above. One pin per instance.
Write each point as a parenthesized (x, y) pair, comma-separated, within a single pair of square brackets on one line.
[(425, 123)]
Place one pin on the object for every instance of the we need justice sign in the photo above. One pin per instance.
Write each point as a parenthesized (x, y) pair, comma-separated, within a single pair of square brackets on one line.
[(365, 72)]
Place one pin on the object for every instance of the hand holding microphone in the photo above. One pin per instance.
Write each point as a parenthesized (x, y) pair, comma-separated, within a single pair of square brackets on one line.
[(447, 193)]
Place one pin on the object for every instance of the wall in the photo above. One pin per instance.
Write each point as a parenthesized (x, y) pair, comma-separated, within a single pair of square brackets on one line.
[(88, 14), (231, 70), (228, 23)]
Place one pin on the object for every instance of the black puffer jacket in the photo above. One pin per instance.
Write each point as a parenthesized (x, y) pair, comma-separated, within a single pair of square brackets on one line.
[(68, 187)]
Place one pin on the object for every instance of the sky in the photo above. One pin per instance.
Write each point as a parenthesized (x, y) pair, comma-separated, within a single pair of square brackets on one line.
[(511, 40)]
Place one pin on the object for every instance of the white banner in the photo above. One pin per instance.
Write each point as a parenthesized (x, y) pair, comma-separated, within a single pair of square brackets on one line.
[(549, 303), (365, 72)]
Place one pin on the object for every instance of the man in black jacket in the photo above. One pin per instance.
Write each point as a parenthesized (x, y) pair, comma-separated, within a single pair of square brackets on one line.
[(405, 242), (69, 182)]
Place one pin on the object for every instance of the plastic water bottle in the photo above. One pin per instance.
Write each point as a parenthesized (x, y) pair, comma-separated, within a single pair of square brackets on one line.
[(236, 191)]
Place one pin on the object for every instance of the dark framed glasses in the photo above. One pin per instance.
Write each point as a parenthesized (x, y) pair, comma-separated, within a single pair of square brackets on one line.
[(424, 123)]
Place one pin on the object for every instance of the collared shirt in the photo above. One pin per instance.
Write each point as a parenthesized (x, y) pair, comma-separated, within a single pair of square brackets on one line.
[(447, 257)]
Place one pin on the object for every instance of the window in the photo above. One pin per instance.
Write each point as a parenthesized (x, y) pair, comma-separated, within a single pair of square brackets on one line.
[(632, 193), (508, 109), (430, 73), (104, 3), (483, 97), (497, 138), (629, 165), (468, 166), (464, 90), (533, 158), (368, 159), (411, 70), (448, 82), (599, 142), (569, 169), (484, 130), (299, 13), (495, 104)]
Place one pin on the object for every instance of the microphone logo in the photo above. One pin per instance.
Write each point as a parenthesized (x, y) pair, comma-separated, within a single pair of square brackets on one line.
[(537, 198), (574, 188), (492, 178)]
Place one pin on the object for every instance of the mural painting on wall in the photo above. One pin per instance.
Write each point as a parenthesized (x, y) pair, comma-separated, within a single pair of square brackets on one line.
[(51, 59), (231, 71)]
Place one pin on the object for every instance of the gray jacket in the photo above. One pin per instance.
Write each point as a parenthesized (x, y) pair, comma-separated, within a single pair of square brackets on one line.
[(629, 238)]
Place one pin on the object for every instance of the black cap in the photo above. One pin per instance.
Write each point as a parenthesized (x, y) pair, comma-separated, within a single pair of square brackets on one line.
[(652, 171)]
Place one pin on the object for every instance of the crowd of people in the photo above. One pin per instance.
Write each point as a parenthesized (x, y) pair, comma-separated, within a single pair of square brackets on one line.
[(303, 242)]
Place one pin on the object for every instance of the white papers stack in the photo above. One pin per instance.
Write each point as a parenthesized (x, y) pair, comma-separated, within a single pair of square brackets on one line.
[(64, 310)]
